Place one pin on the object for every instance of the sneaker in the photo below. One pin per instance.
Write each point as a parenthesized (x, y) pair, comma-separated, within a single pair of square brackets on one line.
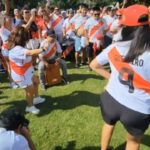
[(77, 65), (32, 110), (2, 71), (14, 85), (38, 100), (110, 148), (44, 87), (65, 80), (83, 64)]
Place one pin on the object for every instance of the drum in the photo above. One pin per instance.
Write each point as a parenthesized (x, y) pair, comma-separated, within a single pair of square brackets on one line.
[(52, 74)]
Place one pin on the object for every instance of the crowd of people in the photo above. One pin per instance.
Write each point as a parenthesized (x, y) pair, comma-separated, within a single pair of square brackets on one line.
[(35, 38)]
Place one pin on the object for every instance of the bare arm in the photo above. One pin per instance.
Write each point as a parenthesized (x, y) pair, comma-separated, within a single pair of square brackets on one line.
[(28, 24), (26, 133), (33, 52), (99, 69)]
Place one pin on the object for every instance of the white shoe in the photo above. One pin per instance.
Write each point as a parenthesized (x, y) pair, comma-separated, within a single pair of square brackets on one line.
[(13, 85), (32, 110), (38, 100)]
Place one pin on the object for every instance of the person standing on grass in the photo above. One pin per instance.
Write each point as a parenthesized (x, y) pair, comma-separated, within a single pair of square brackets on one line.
[(21, 67), (127, 95)]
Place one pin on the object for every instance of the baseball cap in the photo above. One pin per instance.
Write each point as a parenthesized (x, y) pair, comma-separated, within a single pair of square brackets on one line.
[(131, 16)]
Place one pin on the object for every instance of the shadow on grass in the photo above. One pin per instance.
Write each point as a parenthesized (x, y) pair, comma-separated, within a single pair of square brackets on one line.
[(19, 104), (4, 78), (3, 97), (145, 141), (75, 99), (72, 146), (1, 92), (4, 87), (84, 77)]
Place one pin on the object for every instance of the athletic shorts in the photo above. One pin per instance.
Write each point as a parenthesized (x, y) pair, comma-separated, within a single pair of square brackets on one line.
[(90, 50), (25, 82), (78, 44), (134, 122)]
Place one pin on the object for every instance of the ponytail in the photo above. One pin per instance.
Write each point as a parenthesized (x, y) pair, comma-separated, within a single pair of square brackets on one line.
[(139, 44)]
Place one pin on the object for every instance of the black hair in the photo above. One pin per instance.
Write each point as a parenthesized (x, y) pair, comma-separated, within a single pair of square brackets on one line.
[(19, 36), (11, 119), (96, 9), (83, 5), (108, 8), (128, 33), (140, 42)]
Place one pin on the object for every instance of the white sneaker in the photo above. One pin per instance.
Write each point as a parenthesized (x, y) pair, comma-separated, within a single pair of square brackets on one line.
[(13, 85), (32, 110), (38, 100)]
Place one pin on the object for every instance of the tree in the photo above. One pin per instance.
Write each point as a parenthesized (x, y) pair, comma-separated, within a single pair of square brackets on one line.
[(7, 6)]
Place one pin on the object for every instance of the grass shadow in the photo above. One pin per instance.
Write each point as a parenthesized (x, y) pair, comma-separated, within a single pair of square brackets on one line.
[(19, 104), (84, 77), (145, 141), (3, 97), (75, 99), (72, 146), (66, 102), (4, 78), (4, 87)]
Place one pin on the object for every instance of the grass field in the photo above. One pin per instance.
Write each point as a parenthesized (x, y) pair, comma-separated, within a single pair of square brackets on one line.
[(70, 119)]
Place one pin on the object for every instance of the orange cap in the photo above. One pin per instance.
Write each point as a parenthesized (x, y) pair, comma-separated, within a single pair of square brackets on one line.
[(131, 15), (119, 11)]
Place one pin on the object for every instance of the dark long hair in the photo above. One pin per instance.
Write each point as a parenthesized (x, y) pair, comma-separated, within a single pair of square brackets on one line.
[(140, 42), (128, 33), (19, 36)]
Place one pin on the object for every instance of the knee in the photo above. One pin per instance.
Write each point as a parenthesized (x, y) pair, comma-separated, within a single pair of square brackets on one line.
[(35, 80)]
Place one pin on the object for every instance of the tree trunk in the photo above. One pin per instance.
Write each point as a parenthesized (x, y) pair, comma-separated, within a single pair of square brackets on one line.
[(7, 6)]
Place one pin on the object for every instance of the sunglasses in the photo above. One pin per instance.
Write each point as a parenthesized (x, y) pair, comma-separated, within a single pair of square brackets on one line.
[(26, 12), (118, 15)]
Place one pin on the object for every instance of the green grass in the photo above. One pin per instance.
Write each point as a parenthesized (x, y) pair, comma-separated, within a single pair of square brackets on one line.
[(70, 119)]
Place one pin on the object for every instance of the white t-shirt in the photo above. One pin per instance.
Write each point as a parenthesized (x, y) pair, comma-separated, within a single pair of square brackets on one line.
[(4, 34), (139, 100), (115, 27), (49, 48), (90, 23), (109, 20), (16, 22), (58, 26), (9, 140), (70, 32), (18, 56), (79, 21)]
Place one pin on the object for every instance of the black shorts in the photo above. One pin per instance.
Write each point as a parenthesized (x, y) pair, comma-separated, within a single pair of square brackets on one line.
[(90, 50), (134, 122)]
